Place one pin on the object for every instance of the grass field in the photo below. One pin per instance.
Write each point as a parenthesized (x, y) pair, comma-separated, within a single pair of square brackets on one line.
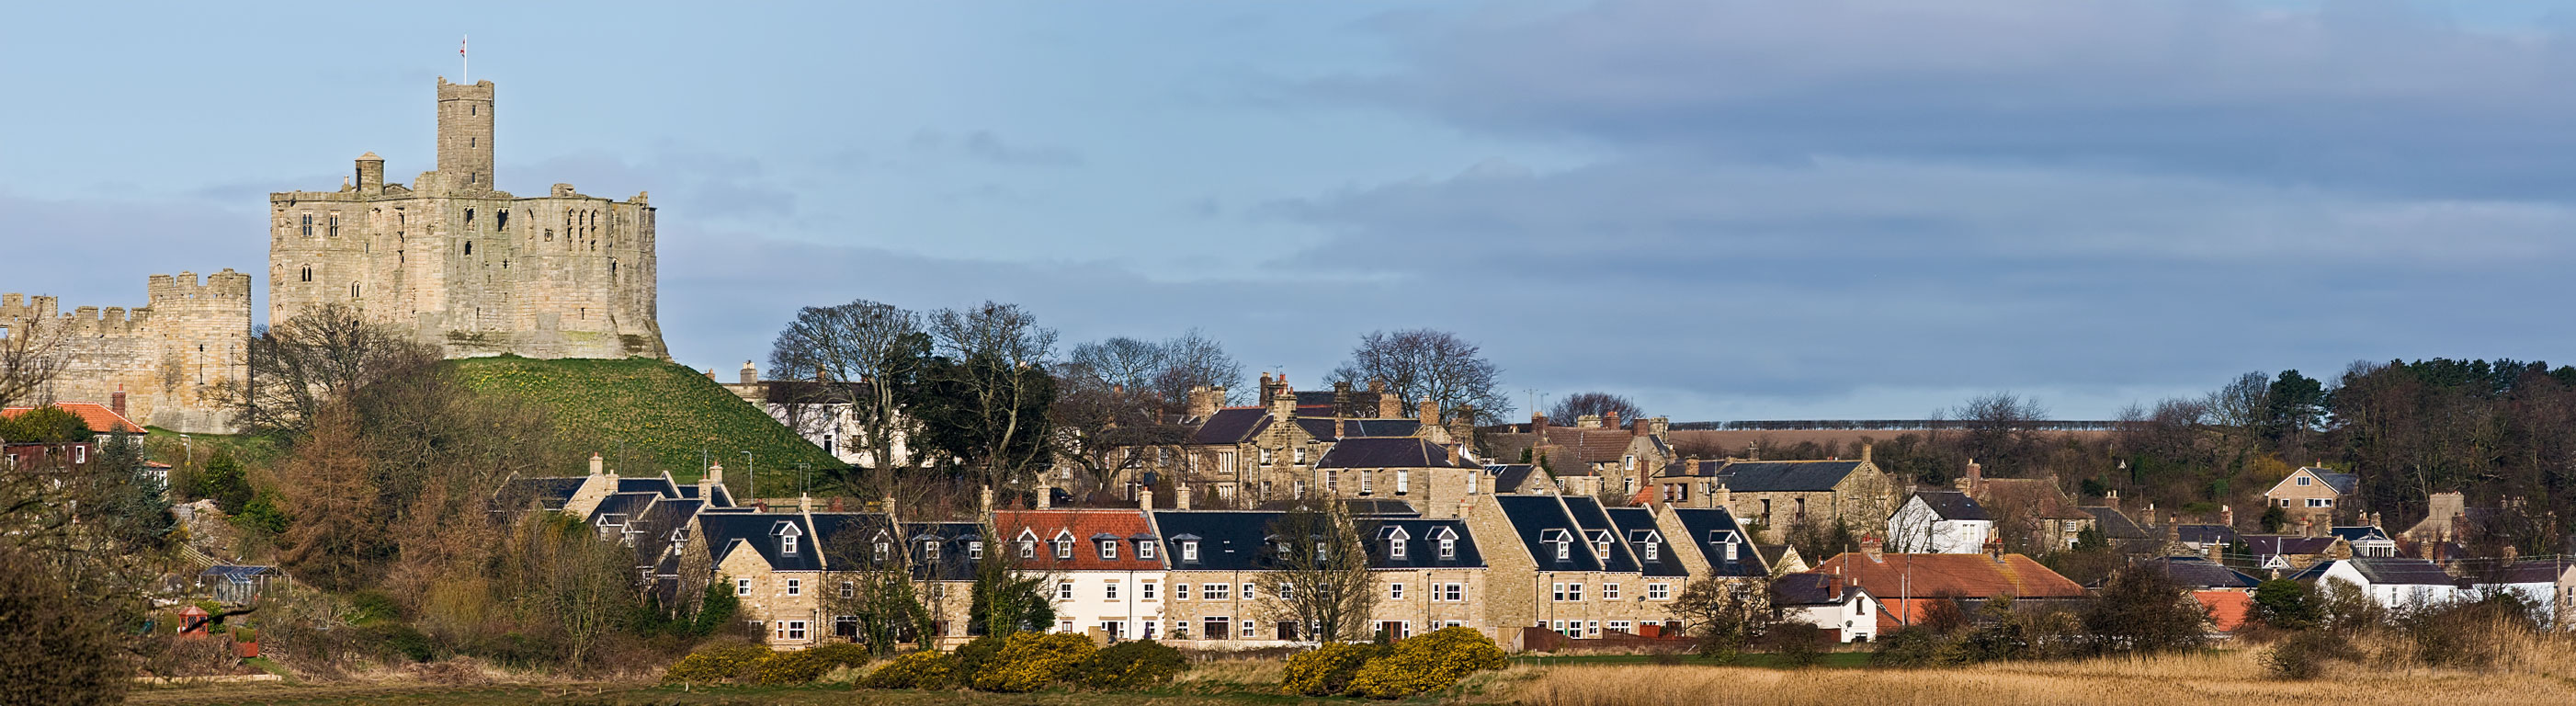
[(1831, 660), (649, 416)]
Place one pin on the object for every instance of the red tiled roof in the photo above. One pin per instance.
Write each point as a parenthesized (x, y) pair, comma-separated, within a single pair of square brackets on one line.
[(1126, 524), (1951, 575), (1894, 613), (99, 418), (1591, 445), (2227, 609)]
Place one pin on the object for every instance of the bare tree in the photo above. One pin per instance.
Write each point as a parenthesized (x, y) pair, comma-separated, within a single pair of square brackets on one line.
[(31, 356), (866, 355), (990, 389), (1910, 529), (2000, 428), (1194, 360), (1321, 579), (873, 582), (1576, 405), (320, 355), (1121, 362), (1160, 373), (1427, 363)]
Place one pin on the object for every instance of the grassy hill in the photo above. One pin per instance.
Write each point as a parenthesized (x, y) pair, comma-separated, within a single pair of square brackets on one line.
[(649, 416)]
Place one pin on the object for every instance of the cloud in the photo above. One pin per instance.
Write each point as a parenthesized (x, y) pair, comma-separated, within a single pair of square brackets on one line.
[(2357, 95), (985, 146), (99, 252)]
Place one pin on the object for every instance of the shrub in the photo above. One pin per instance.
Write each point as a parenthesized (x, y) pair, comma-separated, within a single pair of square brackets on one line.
[(927, 669), (971, 658), (2304, 655), (399, 639), (1033, 661), (1917, 647), (807, 665), (373, 607), (717, 663), (1427, 663), (1128, 666), (1326, 670)]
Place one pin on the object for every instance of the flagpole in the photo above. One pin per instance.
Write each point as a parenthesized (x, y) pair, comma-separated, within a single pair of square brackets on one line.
[(467, 73)]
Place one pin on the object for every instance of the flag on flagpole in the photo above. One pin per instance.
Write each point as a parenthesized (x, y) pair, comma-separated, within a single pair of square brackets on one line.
[(467, 74)]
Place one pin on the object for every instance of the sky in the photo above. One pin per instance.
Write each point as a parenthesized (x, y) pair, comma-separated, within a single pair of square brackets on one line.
[(1723, 209)]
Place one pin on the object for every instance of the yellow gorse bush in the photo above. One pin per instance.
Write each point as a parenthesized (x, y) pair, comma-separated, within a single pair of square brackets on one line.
[(1326, 670), (1033, 661), (1427, 663), (717, 664), (927, 669)]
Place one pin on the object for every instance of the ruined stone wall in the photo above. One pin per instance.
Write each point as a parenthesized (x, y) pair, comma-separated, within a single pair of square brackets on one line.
[(169, 356), (474, 270)]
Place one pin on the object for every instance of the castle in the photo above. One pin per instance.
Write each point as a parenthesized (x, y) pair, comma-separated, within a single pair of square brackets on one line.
[(160, 364), (472, 269)]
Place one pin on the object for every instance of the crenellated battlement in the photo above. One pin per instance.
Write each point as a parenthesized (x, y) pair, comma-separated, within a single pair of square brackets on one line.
[(185, 290), (170, 357)]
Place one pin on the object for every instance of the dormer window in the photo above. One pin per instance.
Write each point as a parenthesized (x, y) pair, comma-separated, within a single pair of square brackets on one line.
[(1323, 552), (1448, 548), (882, 549), (1144, 549), (1564, 550), (930, 550), (1109, 550), (1064, 548), (787, 536), (1028, 549), (975, 550), (1395, 548), (1652, 551), (1189, 551)]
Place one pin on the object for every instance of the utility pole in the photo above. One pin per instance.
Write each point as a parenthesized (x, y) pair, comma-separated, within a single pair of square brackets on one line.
[(753, 479)]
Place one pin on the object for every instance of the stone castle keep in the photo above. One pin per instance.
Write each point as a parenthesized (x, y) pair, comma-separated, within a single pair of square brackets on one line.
[(472, 269), (167, 357)]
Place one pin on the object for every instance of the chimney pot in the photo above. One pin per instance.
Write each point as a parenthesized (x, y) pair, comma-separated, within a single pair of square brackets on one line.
[(116, 401), (1610, 419), (750, 373), (597, 465), (838, 507), (1181, 496), (1145, 498)]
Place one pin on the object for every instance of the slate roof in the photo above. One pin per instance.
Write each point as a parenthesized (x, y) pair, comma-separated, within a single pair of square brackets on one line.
[(2115, 525), (1538, 521), (2205, 534), (1709, 528), (1228, 540), (649, 484), (849, 538), (783, 392), (1356, 506), (1232, 425), (2360, 534), (2285, 544), (760, 532), (2341, 482), (1324, 427), (2038, 496), (628, 505), (1636, 527), (2200, 573), (549, 493), (1577, 445), (1785, 476), (2543, 571), (1509, 477), (2385, 571), (1951, 505), (1422, 544), (1403, 452), (1083, 525), (954, 561), (2310, 574), (1596, 524), (1963, 575), (1808, 589)]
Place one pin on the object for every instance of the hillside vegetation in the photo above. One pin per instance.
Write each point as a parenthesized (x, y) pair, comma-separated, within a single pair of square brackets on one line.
[(649, 416)]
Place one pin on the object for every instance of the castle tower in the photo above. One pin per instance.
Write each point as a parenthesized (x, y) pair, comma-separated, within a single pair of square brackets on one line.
[(465, 266), (465, 135)]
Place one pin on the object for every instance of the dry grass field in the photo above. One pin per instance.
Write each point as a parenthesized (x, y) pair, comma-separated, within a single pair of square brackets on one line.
[(2232, 678)]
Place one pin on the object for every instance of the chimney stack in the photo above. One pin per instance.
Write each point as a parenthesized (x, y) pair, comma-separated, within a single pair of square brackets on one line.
[(838, 507), (598, 466), (2227, 515), (1145, 498), (2307, 525), (1610, 419), (1389, 404), (1724, 497), (1865, 451), (1538, 425), (1587, 421), (985, 499), (2111, 499), (805, 504), (1639, 427), (750, 373), (116, 400), (1428, 412), (1976, 476), (1046, 495), (1283, 402), (711, 373), (1995, 548), (1204, 401), (1180, 496)]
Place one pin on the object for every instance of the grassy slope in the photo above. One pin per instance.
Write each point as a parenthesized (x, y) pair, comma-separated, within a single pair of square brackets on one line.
[(649, 416)]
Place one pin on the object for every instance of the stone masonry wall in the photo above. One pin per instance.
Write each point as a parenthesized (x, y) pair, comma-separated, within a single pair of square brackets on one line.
[(169, 356), (473, 270)]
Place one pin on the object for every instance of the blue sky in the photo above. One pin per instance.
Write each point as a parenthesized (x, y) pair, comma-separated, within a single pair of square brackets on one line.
[(1726, 209)]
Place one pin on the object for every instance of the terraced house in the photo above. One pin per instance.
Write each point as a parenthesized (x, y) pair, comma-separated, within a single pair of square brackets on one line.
[(1775, 494), (1559, 563), (1106, 566), (1428, 573), (1241, 457)]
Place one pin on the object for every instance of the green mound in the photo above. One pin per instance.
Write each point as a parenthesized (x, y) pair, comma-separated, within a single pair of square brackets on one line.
[(650, 416)]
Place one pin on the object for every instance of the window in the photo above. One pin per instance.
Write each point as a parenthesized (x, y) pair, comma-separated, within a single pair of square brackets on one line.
[(846, 626), (1247, 629), (1453, 593), (1225, 462), (1297, 490), (1064, 547), (1564, 550), (501, 221), (1395, 548), (1109, 592), (1730, 549), (795, 587), (1332, 483), (742, 587), (849, 589), (1109, 550), (1652, 552), (1395, 591), (1180, 591), (335, 225), (1301, 455), (975, 550), (930, 549), (2316, 502), (1601, 547), (1323, 552), (1288, 591), (1628, 463), (1471, 484), (1592, 627), (1265, 457), (1213, 592), (1146, 591), (881, 551), (1448, 548), (308, 273), (308, 225), (1559, 590), (353, 290), (1659, 591), (2303, 480), (1573, 592), (1247, 592), (1403, 481), (1218, 627), (1365, 483), (1145, 549), (1189, 551), (1609, 591), (469, 247), (1064, 591), (792, 629)]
